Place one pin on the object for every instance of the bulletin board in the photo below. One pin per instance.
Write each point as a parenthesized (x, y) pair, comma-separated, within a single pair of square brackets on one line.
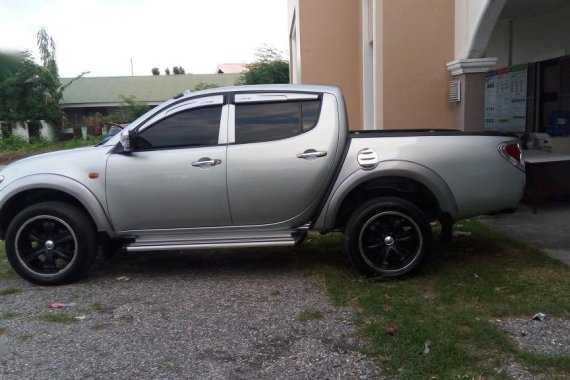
[(505, 99)]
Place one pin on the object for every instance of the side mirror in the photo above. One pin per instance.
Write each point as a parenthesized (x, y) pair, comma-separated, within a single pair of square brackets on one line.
[(127, 139)]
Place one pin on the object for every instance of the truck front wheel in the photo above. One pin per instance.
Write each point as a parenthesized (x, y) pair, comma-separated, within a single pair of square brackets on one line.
[(388, 237), (51, 243)]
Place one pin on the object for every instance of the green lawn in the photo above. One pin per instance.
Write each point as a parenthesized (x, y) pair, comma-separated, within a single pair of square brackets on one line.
[(466, 284)]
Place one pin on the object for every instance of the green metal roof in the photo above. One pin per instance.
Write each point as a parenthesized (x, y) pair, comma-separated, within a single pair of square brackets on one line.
[(151, 89)]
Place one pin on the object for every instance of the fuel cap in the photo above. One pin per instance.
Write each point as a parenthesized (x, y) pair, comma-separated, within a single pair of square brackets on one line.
[(367, 158)]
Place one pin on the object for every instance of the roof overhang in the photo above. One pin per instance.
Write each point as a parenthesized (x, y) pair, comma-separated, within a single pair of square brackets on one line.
[(107, 104)]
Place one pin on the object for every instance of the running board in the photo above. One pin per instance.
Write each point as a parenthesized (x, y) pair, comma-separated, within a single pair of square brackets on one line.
[(231, 242)]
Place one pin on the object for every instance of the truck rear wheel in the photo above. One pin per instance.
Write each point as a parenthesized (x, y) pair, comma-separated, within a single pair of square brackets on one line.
[(51, 243), (388, 237)]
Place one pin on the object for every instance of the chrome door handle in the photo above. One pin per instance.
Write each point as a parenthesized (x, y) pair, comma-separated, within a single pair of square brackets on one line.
[(206, 161), (310, 154)]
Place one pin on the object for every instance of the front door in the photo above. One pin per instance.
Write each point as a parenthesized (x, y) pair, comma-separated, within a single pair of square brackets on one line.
[(176, 176)]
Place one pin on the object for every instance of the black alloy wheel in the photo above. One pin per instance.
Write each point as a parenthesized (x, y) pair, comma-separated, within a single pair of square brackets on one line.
[(390, 241), (51, 243), (46, 245), (388, 237)]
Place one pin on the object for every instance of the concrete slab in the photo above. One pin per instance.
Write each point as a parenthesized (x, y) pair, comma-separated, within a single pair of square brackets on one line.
[(548, 230)]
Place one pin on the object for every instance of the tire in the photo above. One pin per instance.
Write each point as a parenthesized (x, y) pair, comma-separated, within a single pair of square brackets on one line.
[(388, 237), (51, 243)]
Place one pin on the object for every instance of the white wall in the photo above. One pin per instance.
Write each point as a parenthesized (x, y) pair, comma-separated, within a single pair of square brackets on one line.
[(369, 82), (499, 44), (20, 129), (534, 38), (294, 41), (47, 131), (541, 35), (467, 14)]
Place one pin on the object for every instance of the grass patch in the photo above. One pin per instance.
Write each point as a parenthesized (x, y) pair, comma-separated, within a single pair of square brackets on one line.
[(98, 326), (473, 280), (9, 315), (96, 306), (92, 308), (9, 291), (3, 330), (24, 337), (167, 365), (57, 318), (310, 315), (6, 270)]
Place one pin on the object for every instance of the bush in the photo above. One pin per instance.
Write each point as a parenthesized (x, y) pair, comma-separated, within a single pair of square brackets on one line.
[(18, 144), (12, 143)]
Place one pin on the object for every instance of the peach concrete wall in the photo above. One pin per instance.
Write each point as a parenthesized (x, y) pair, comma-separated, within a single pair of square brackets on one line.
[(330, 48), (417, 40)]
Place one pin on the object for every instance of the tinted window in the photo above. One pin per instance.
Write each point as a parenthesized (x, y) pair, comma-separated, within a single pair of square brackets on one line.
[(196, 127), (310, 110), (274, 121)]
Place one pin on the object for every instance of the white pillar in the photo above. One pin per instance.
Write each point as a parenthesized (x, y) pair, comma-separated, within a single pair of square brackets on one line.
[(470, 111)]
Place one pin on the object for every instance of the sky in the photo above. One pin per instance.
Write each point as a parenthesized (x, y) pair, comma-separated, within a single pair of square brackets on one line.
[(101, 36)]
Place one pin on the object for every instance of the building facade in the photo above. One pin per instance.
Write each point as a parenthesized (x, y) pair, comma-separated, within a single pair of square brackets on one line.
[(439, 63)]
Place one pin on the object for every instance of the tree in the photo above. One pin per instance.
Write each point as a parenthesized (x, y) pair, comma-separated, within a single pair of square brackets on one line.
[(10, 62), (167, 71), (46, 46), (204, 86), (155, 71), (178, 70), (129, 110), (28, 91), (270, 67)]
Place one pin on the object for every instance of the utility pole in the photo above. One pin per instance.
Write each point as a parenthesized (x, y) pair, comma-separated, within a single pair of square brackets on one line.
[(132, 73)]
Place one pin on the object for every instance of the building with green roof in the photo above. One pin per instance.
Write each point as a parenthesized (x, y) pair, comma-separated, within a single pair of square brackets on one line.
[(88, 96)]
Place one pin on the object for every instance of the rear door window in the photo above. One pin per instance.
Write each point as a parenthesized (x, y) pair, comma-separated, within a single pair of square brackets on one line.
[(259, 122)]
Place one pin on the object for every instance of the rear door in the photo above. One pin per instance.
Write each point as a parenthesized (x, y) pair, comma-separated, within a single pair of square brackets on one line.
[(281, 154)]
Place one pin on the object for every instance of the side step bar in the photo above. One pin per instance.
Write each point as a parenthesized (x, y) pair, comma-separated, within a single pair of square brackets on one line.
[(180, 245)]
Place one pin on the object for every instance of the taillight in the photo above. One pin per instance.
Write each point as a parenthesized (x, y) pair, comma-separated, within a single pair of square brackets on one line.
[(513, 153)]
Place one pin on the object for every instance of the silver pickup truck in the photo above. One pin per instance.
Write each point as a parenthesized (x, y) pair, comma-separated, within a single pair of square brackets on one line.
[(252, 166)]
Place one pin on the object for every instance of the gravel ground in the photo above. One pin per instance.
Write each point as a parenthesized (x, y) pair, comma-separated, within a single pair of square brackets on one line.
[(519, 372), (207, 315), (550, 337)]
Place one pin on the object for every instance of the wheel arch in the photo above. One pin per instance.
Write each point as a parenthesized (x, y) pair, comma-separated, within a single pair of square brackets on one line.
[(40, 188), (404, 179)]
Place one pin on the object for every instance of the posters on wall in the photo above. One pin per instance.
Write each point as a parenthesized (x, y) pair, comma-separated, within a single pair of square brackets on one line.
[(505, 99)]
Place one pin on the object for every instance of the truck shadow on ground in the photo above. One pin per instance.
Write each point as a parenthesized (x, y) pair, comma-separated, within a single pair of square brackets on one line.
[(315, 253), (204, 261)]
